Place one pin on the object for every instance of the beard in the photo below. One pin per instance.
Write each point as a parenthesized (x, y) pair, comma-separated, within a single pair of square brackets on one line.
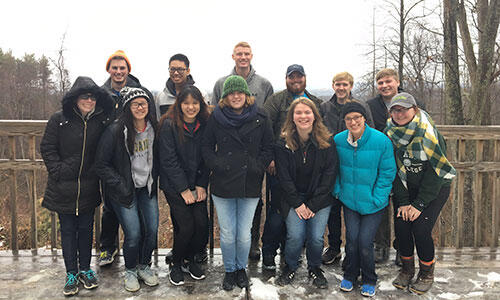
[(295, 88)]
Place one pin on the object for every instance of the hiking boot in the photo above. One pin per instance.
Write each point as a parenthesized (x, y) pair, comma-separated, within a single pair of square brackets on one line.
[(194, 270), (319, 280), (346, 285), (88, 278), (107, 257), (176, 275), (147, 275), (71, 286), (268, 262), (131, 281), (368, 290), (229, 281), (330, 256), (405, 274), (242, 278), (254, 253), (424, 280), (286, 276), (397, 259), (201, 256), (381, 254), (169, 258)]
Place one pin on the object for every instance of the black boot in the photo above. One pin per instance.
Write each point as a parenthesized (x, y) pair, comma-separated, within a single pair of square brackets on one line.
[(406, 274), (424, 280)]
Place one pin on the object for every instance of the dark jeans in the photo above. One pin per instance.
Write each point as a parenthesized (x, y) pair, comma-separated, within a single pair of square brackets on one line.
[(76, 239), (419, 232), (109, 228), (360, 232), (190, 227), (274, 233), (140, 227), (335, 225)]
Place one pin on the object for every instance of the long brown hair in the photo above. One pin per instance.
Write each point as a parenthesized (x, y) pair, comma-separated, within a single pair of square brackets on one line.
[(319, 131), (175, 114)]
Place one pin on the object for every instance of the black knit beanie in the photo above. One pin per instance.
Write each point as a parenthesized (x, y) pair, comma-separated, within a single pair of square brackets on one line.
[(353, 106)]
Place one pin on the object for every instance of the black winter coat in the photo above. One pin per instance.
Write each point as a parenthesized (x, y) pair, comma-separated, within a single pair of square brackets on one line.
[(68, 148), (331, 113), (238, 157), (114, 168), (322, 181), (181, 164)]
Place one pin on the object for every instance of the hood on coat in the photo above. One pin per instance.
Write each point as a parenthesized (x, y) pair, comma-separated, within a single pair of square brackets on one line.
[(81, 86)]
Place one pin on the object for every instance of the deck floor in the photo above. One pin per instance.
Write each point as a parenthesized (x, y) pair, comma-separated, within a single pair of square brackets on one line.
[(469, 274)]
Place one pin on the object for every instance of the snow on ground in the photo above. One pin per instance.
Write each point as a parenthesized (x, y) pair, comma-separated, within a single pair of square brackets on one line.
[(449, 296), (441, 280), (478, 285), (492, 278), (262, 291), (474, 294), (386, 286), (35, 278)]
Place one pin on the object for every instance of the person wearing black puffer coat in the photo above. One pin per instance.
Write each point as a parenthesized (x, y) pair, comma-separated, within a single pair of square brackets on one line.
[(68, 149)]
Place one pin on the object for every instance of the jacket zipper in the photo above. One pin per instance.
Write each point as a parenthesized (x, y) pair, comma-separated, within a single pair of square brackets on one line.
[(353, 176), (81, 163)]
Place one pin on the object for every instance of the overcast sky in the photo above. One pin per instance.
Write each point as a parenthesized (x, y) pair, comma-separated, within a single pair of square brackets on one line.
[(326, 37)]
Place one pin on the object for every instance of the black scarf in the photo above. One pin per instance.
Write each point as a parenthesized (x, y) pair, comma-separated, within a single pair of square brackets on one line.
[(228, 118)]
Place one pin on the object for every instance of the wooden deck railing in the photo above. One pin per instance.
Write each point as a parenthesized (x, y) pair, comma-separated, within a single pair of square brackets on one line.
[(481, 173)]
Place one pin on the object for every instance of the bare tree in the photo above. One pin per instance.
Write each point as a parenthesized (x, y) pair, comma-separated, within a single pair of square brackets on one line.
[(60, 66)]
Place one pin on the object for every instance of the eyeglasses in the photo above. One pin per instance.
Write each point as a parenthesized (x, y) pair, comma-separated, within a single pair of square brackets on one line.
[(87, 97), (399, 110), (178, 70), (135, 105), (355, 119)]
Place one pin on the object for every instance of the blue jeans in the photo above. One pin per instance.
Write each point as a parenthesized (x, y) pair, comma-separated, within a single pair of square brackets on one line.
[(360, 233), (309, 231), (235, 217), (140, 227), (76, 240)]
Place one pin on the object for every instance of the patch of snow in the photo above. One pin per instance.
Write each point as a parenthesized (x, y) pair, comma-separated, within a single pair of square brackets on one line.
[(300, 290), (474, 294), (449, 296), (492, 278), (478, 285), (441, 280), (34, 278), (262, 291), (386, 286)]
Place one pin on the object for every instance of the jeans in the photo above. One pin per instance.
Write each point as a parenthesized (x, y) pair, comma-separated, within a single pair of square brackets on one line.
[(311, 231), (274, 228), (335, 225), (140, 227), (235, 217), (76, 239), (190, 224), (109, 227), (419, 232), (360, 233)]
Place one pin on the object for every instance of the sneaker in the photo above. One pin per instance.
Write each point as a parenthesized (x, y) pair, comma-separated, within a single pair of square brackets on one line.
[(71, 286), (229, 281), (88, 278), (318, 278), (176, 276), (242, 278), (201, 256), (169, 258), (286, 276), (194, 270), (107, 257), (368, 290), (268, 262), (147, 275), (330, 256), (131, 281), (346, 285)]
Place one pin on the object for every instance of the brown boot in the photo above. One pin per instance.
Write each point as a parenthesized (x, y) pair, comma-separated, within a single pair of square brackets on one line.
[(424, 280), (406, 274)]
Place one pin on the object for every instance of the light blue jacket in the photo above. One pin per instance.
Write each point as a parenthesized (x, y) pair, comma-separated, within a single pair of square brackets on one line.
[(366, 171)]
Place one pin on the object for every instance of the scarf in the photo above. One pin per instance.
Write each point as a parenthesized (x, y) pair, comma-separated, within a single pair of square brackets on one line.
[(420, 138), (228, 118)]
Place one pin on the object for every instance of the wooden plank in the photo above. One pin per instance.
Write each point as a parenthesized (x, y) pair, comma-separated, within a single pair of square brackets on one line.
[(13, 199), (485, 166), (459, 204), (21, 164), (495, 207), (22, 127), (34, 198), (53, 231), (470, 132)]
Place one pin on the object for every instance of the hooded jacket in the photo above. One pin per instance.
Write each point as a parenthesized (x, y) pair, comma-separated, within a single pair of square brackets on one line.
[(68, 148), (331, 112), (259, 87), (167, 97)]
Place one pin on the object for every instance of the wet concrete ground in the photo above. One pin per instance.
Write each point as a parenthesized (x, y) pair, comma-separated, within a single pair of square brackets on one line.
[(470, 274)]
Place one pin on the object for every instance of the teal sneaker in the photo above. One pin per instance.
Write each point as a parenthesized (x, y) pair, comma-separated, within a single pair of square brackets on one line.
[(71, 286), (88, 278)]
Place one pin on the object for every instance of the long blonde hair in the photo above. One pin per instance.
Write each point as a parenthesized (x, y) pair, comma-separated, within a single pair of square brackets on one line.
[(319, 131)]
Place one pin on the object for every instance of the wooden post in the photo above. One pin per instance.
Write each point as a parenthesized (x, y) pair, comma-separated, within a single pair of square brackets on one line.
[(459, 204), (53, 231), (13, 198), (34, 228), (495, 203), (477, 189)]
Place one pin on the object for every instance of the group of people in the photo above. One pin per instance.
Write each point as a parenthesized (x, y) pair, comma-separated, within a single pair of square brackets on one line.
[(318, 158)]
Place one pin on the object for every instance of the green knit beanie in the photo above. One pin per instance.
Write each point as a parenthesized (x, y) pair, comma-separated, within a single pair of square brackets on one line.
[(235, 83)]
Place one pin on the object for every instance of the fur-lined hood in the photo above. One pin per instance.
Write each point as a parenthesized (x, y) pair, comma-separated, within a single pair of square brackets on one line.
[(81, 86)]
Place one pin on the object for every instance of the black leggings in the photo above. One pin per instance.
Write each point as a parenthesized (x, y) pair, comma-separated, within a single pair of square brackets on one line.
[(419, 232)]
